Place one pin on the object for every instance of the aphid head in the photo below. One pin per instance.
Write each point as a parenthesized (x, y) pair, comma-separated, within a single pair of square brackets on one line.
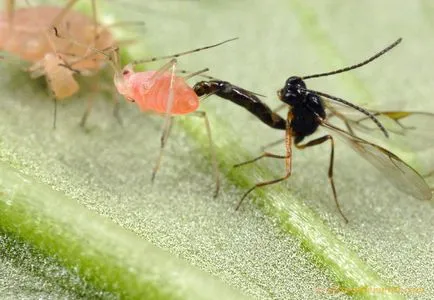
[(292, 93), (127, 71), (121, 80)]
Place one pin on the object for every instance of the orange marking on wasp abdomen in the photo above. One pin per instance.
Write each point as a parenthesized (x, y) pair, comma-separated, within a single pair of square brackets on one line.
[(153, 94), (29, 40)]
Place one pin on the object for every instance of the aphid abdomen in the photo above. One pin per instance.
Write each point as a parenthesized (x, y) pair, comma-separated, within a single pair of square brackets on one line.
[(60, 79), (185, 99), (29, 39), (154, 95), (25, 40), (28, 45)]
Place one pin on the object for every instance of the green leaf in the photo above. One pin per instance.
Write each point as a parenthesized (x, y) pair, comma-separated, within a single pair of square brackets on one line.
[(82, 201)]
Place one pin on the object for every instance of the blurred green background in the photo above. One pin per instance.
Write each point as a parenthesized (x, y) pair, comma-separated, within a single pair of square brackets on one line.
[(293, 243)]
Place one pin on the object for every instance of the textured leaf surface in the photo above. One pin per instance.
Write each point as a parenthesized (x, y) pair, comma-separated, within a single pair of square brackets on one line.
[(90, 189)]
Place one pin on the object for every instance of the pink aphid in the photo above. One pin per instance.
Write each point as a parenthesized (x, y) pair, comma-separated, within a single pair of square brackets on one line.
[(150, 91), (28, 33), (165, 93)]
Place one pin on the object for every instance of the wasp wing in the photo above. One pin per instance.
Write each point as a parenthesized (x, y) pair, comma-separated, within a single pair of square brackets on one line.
[(405, 127), (400, 174)]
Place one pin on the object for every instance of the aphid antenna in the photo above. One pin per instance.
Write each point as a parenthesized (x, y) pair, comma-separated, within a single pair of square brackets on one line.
[(109, 49), (115, 25), (190, 75), (125, 23), (352, 105), (201, 75), (142, 61), (112, 57), (64, 11), (384, 51)]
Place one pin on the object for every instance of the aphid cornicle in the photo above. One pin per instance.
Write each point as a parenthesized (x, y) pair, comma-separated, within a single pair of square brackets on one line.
[(27, 33), (308, 111)]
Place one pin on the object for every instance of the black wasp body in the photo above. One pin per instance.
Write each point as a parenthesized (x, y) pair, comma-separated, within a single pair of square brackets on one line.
[(241, 97), (307, 108), (307, 112)]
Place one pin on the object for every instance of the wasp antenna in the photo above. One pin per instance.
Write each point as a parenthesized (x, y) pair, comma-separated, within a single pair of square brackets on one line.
[(360, 109), (385, 50)]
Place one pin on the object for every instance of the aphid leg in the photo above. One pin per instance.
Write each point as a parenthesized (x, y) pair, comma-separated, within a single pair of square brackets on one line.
[(98, 86), (203, 115), (89, 105), (62, 13), (168, 115), (10, 9), (86, 113), (330, 171), (53, 97), (116, 106), (95, 23), (171, 64), (288, 166), (167, 128), (55, 112), (104, 87)]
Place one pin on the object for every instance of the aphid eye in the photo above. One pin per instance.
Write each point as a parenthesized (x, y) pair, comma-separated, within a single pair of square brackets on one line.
[(125, 72)]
